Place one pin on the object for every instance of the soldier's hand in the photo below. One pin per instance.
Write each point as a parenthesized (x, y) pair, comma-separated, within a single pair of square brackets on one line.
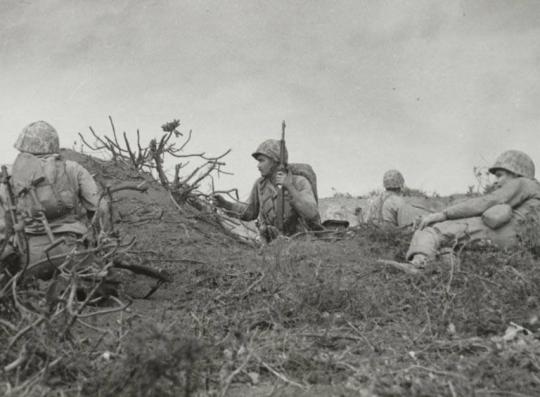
[(284, 179), (218, 200), (430, 219), (272, 232)]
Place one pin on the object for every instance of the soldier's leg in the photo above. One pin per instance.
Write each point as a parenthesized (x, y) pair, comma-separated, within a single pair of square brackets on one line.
[(10, 261), (428, 241), (42, 264)]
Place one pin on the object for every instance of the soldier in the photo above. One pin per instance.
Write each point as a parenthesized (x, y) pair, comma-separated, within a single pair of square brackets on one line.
[(389, 208), (58, 197), (300, 210), (507, 216)]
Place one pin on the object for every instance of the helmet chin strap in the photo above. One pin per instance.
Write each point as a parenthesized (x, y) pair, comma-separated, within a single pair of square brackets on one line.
[(273, 173)]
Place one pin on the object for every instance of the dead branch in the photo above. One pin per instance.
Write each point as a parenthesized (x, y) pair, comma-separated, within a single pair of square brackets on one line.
[(24, 331), (236, 196), (278, 374), (160, 274), (120, 308), (152, 158)]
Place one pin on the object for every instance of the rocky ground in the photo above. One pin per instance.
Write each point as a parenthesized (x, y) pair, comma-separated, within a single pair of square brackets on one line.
[(301, 317)]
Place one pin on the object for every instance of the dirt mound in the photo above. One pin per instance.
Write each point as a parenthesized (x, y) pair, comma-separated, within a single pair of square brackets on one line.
[(308, 317), (303, 317), (155, 207)]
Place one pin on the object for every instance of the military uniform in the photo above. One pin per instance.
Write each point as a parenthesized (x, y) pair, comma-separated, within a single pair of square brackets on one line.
[(389, 207), (300, 213), (467, 220), (65, 193)]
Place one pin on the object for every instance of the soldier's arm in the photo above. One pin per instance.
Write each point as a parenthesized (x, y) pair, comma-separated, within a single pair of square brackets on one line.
[(390, 210), (245, 211), (512, 193), (88, 193), (372, 209), (87, 188), (302, 198)]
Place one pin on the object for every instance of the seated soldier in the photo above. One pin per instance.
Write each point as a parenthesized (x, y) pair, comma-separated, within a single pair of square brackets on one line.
[(300, 210), (507, 216), (389, 208), (58, 197)]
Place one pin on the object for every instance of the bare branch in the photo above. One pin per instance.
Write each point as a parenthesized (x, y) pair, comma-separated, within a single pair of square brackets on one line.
[(114, 131), (95, 148), (186, 141), (131, 154)]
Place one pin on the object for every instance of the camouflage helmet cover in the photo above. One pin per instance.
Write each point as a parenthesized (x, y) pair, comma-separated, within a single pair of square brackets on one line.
[(516, 162), (38, 138), (271, 148), (393, 179)]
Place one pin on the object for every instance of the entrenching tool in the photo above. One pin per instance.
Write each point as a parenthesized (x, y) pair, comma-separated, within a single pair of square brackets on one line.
[(41, 213)]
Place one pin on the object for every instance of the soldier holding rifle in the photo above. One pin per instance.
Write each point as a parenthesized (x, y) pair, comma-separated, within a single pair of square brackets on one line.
[(284, 199)]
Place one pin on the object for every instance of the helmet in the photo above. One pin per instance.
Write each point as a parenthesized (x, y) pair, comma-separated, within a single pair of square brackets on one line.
[(271, 148), (516, 162), (38, 138), (393, 179)]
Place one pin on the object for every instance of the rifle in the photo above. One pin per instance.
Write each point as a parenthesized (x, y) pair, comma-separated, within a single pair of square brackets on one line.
[(13, 226), (280, 208)]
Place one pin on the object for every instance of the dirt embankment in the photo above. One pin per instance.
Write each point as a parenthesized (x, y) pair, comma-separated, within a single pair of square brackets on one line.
[(307, 317), (164, 230)]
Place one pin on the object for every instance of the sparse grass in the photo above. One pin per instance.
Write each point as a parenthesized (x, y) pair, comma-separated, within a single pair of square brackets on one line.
[(308, 313), (308, 318)]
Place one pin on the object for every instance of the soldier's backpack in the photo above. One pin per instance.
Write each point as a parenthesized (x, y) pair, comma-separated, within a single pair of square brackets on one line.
[(42, 185), (307, 172)]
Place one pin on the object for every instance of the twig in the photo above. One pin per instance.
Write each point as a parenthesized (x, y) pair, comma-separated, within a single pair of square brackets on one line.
[(251, 286), (15, 364), (106, 311), (87, 300), (277, 374), (355, 329), (434, 371), (452, 390), (503, 393), (240, 368), (24, 331)]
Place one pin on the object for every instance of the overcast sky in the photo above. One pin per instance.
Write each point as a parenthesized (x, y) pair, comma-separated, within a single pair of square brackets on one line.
[(432, 88)]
